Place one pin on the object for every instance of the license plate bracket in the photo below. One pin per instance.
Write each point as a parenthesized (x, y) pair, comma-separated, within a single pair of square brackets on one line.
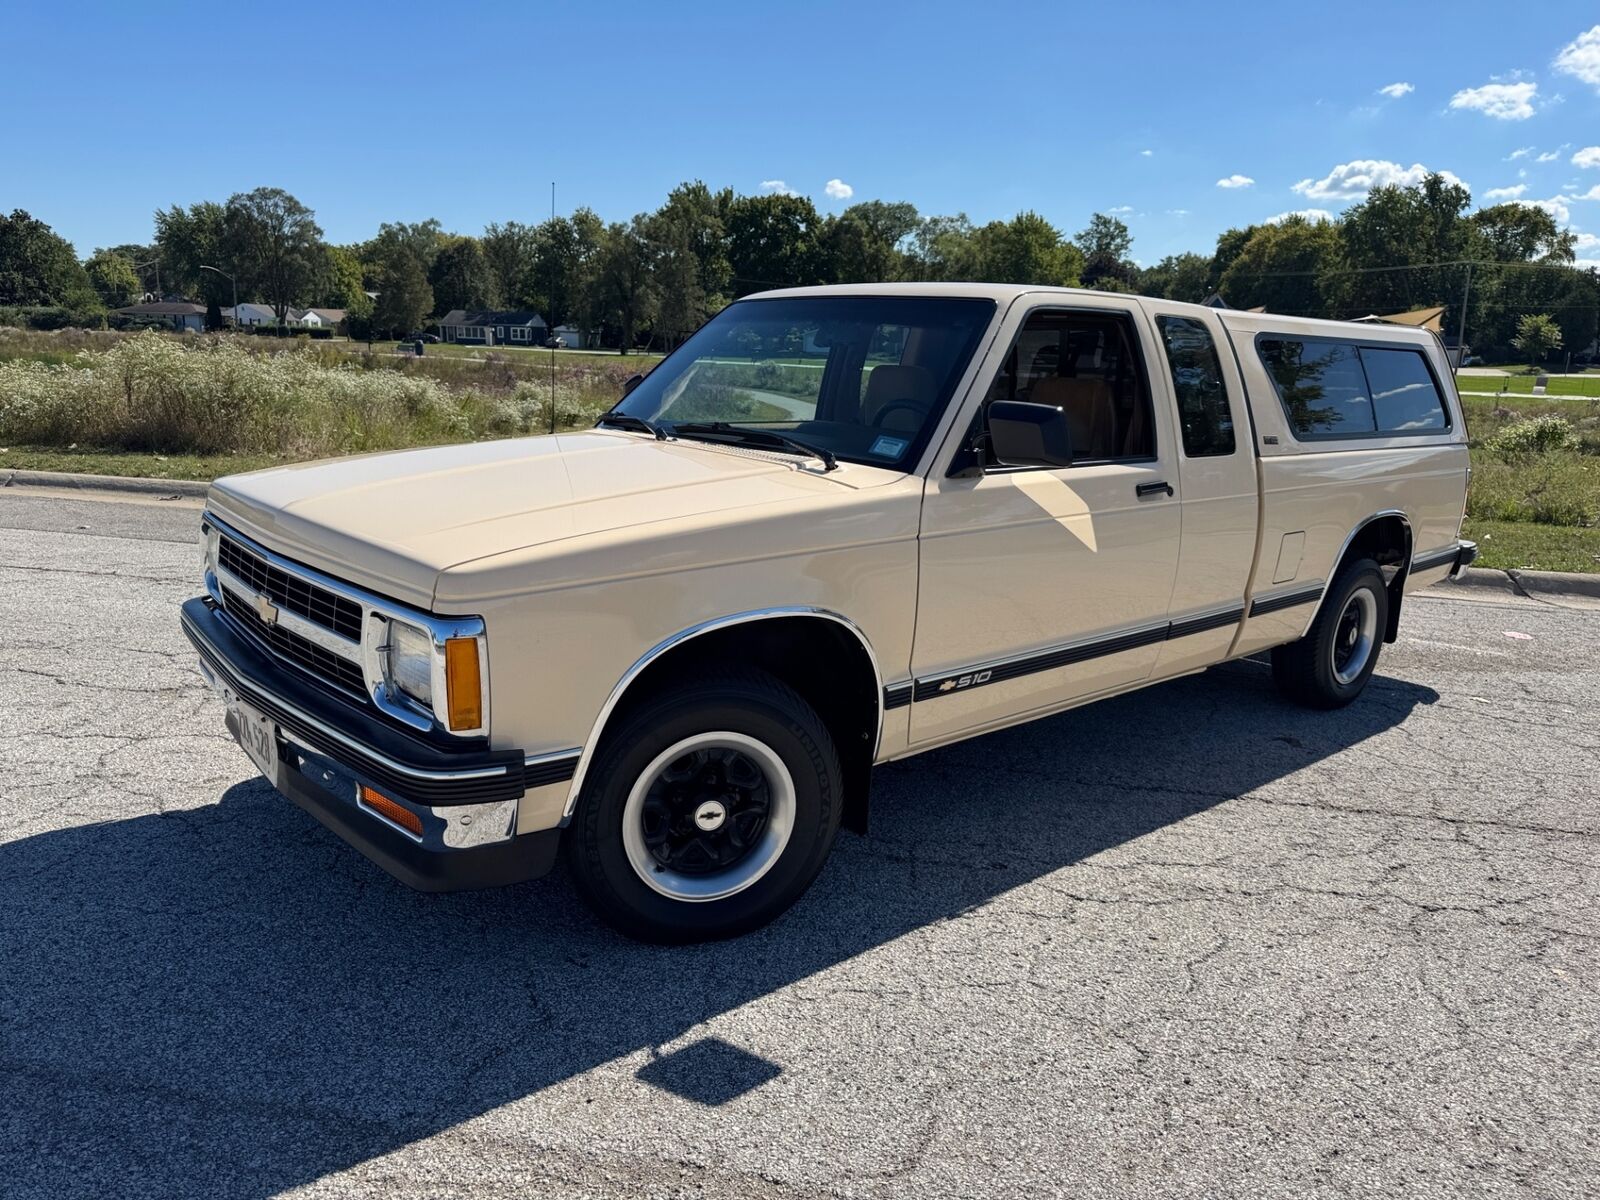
[(258, 736)]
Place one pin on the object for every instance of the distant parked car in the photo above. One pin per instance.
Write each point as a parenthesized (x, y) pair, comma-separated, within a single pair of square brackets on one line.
[(554, 343), (430, 338)]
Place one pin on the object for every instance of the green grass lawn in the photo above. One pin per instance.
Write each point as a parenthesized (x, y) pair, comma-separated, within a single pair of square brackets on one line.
[(126, 463), (642, 362), (1521, 545), (1580, 386)]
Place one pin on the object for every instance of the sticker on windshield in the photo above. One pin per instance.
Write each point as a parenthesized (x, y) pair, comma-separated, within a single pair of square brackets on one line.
[(888, 447)]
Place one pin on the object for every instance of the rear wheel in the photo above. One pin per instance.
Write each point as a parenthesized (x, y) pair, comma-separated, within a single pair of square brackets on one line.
[(709, 811), (1330, 666)]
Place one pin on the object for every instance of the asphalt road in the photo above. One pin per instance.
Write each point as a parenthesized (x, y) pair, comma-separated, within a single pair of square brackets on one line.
[(1190, 942)]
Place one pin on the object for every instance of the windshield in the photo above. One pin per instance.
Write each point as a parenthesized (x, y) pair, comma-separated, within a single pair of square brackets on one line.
[(864, 377)]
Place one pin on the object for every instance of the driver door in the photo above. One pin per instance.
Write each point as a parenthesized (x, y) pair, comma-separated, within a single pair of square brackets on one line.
[(1041, 586)]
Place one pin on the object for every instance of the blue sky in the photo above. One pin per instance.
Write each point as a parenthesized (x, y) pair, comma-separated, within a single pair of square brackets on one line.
[(371, 113)]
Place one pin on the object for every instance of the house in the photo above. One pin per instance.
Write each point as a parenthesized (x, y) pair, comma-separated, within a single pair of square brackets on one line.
[(572, 337), (251, 314), (179, 314), (489, 328), (321, 318)]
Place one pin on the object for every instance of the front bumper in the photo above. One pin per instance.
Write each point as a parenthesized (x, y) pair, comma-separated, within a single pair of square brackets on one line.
[(465, 796)]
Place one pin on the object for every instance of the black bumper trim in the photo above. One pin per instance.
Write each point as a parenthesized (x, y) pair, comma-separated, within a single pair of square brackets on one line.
[(526, 856), (1460, 555), (392, 760)]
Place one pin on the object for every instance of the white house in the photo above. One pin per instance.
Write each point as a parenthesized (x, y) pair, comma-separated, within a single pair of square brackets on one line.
[(251, 314), (572, 336)]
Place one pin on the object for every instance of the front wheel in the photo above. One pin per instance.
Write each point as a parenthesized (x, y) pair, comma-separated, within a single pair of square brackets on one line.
[(1330, 666), (709, 811)]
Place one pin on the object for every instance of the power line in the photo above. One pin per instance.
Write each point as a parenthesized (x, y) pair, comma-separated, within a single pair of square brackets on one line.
[(1458, 262)]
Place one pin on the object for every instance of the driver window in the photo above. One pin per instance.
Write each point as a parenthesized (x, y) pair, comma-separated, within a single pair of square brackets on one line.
[(1088, 365)]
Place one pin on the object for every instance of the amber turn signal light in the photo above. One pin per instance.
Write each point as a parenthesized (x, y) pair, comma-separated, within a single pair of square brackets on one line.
[(462, 683), (390, 811)]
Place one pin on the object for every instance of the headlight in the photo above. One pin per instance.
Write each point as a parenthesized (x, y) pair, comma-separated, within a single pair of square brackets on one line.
[(408, 665)]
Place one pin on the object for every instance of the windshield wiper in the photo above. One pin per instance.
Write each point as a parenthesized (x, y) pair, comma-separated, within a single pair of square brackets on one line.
[(629, 421), (723, 431)]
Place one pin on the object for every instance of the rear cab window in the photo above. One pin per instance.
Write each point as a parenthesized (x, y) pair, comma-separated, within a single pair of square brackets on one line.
[(1332, 389), (1197, 384)]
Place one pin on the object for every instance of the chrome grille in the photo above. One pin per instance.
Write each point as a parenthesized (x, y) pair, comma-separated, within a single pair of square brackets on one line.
[(317, 605), (304, 653)]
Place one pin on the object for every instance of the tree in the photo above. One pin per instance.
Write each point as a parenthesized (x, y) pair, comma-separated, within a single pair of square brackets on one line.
[(945, 248), (189, 238), (1521, 233), (1403, 227), (625, 281), (39, 267), (1027, 249), (113, 279), (511, 252), (1185, 277), (278, 241), (461, 278), (1537, 336), (772, 242), (404, 297), (565, 265), (1282, 267), (1105, 245), (867, 243), (340, 281)]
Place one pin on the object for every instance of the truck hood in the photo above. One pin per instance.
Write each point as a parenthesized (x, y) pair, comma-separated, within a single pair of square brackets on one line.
[(392, 522)]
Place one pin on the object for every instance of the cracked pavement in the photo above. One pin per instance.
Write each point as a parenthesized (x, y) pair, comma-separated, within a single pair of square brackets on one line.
[(1187, 942)]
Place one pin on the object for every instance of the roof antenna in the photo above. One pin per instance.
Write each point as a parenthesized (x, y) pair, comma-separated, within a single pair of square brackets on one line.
[(550, 333)]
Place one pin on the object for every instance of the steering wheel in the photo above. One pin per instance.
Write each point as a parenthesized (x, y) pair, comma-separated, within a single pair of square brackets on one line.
[(911, 405)]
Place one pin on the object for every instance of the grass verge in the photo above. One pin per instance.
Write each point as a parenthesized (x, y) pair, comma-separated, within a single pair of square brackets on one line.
[(1522, 545), (129, 464)]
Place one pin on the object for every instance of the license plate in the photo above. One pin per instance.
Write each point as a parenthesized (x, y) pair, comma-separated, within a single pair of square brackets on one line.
[(259, 737)]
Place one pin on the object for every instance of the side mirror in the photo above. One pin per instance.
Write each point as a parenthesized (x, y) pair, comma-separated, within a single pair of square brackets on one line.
[(1029, 435), (631, 382)]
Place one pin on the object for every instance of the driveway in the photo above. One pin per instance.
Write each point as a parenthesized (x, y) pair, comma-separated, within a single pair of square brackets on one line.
[(1189, 942)]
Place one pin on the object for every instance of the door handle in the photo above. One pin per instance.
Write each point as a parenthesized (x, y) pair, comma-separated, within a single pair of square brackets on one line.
[(1151, 489)]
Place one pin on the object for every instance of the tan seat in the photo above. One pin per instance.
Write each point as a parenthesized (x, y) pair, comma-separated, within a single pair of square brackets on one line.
[(1091, 412), (889, 383)]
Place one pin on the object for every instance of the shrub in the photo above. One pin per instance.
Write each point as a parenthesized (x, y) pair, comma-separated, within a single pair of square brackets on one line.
[(1537, 435), (1558, 487)]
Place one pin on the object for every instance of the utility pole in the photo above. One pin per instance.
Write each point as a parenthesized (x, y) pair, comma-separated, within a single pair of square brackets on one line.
[(1461, 328)]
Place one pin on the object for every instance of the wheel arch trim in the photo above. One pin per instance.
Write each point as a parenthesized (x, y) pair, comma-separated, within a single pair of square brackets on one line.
[(1349, 540), (810, 612)]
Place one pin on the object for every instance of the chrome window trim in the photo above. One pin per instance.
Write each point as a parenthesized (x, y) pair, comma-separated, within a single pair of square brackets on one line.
[(592, 742), (376, 612)]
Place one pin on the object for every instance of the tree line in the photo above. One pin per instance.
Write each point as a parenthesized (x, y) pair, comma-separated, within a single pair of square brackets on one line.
[(655, 278)]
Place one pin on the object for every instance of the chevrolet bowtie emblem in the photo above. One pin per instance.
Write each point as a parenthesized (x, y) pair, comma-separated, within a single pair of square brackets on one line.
[(266, 610), (947, 685)]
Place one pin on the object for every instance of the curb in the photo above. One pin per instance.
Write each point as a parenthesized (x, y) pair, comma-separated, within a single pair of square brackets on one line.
[(131, 484), (1527, 584)]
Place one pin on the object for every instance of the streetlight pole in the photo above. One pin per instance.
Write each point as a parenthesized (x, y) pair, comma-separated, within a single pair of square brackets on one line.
[(235, 284)]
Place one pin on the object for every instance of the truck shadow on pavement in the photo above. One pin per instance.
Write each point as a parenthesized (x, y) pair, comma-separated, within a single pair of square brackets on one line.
[(227, 1000)]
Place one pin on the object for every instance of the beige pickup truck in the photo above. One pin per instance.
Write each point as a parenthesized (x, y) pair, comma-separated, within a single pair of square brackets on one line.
[(837, 527)]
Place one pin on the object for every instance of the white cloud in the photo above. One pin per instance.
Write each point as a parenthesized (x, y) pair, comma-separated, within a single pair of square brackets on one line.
[(1520, 153), (1506, 193), (1395, 90), (1502, 101), (838, 189), (1177, 212), (777, 187), (1236, 181), (1589, 156), (1587, 243), (1551, 155), (1354, 179), (1556, 206), (1121, 208), (1310, 214), (1146, 153), (1580, 57), (1592, 194)]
